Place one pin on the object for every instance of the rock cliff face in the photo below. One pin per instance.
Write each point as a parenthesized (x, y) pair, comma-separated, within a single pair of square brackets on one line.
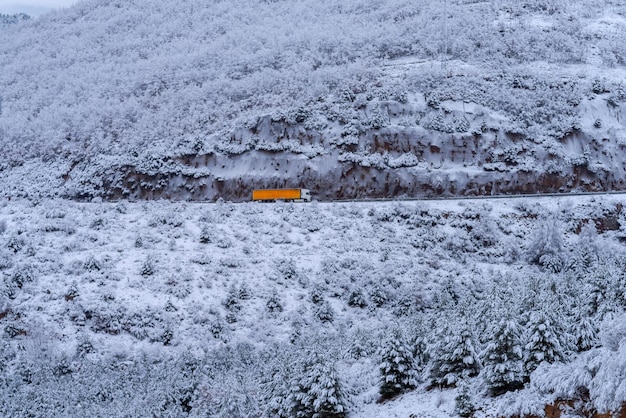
[(562, 408), (387, 161)]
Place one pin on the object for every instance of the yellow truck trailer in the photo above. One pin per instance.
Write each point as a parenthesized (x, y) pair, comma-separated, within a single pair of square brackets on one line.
[(271, 195)]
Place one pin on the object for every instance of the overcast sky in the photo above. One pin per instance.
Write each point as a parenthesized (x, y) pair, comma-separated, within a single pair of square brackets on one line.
[(32, 7)]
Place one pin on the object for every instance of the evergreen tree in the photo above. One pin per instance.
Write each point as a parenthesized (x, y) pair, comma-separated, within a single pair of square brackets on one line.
[(398, 369), (360, 345), (586, 252), (304, 389), (419, 348), (596, 293), (585, 333), (543, 342), (503, 358), (463, 406), (546, 246), (454, 357), (278, 386), (319, 393)]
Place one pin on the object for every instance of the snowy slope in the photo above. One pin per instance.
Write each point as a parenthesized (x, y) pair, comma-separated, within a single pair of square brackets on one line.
[(140, 99), (177, 309)]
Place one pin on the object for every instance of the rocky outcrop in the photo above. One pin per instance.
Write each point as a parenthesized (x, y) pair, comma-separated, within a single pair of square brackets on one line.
[(562, 408), (384, 162)]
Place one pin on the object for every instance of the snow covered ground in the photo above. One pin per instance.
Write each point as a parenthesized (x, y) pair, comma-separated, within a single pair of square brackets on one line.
[(216, 307)]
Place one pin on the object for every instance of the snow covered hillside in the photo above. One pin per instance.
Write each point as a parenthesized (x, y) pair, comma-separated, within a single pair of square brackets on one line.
[(247, 310), (134, 306), (351, 98)]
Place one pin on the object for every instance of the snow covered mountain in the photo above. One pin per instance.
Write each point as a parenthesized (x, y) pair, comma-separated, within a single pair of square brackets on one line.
[(197, 100), (425, 308)]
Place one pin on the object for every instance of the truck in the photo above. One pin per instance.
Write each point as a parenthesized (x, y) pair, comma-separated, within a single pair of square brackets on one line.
[(289, 195)]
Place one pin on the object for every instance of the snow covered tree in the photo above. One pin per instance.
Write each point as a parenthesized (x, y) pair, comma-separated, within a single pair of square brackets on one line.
[(454, 358), (546, 246), (273, 303), (276, 387), (503, 367), (234, 395), (585, 333), (324, 312), (604, 288), (586, 251), (398, 369), (543, 342), (361, 344), (357, 299), (147, 268), (317, 392), (463, 406), (207, 235), (419, 343), (305, 389)]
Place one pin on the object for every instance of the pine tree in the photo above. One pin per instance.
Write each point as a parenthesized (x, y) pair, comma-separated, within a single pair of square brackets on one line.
[(308, 388), (454, 358), (543, 342), (596, 292), (318, 392), (278, 384), (585, 333), (586, 252), (398, 369), (325, 391), (503, 358), (546, 247), (419, 348), (463, 406), (360, 345)]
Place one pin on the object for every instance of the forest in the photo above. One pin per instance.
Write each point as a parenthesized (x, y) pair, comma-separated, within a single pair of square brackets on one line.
[(362, 98), (497, 307)]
